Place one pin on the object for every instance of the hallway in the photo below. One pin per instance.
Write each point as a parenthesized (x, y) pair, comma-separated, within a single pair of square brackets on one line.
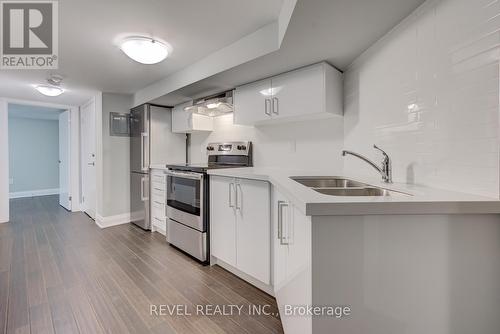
[(60, 273)]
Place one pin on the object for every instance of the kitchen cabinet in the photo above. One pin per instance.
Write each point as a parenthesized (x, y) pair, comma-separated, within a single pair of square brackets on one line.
[(307, 93), (292, 279), (241, 225), (223, 219), (185, 122), (252, 102), (158, 201)]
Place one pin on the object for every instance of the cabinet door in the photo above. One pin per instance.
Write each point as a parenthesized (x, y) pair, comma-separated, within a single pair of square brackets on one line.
[(280, 211), (299, 93), (292, 262), (253, 229), (252, 102), (180, 119), (199, 122), (298, 237), (222, 219)]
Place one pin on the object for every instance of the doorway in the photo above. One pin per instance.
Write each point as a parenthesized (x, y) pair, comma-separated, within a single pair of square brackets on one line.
[(88, 158), (39, 152)]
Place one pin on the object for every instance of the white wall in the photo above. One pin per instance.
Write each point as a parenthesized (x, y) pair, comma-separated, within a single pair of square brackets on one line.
[(115, 199), (33, 155), (4, 162), (311, 145), (428, 93)]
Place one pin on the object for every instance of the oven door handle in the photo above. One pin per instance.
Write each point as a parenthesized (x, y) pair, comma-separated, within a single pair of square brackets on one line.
[(192, 176)]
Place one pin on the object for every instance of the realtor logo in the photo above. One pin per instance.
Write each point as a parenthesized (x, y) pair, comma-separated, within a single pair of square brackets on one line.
[(28, 34)]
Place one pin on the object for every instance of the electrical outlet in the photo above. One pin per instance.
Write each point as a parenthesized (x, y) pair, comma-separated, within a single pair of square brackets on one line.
[(11, 180)]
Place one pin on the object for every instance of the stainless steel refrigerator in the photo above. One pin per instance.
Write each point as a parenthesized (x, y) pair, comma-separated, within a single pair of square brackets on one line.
[(151, 143)]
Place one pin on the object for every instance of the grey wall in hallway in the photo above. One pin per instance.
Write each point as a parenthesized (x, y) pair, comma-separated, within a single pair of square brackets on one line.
[(33, 154), (116, 159)]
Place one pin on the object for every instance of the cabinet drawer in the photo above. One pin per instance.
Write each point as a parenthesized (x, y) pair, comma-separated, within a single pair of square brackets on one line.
[(155, 204), (159, 222), (158, 193), (157, 212), (158, 178)]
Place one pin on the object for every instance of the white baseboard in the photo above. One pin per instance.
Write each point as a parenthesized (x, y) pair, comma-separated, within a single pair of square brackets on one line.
[(34, 193), (109, 221)]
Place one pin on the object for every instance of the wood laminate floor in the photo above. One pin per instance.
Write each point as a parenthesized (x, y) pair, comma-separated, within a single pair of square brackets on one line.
[(60, 273)]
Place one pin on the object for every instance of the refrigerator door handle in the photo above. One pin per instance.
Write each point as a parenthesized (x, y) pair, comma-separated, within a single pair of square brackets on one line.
[(144, 164), (143, 195)]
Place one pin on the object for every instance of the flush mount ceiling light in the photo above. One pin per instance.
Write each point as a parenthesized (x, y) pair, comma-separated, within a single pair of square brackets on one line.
[(144, 50), (52, 88)]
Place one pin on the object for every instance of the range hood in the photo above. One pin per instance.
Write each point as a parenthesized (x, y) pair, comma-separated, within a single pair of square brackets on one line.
[(214, 105)]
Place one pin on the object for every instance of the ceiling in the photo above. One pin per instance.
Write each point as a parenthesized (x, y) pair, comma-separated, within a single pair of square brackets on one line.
[(337, 31), (33, 112), (90, 61)]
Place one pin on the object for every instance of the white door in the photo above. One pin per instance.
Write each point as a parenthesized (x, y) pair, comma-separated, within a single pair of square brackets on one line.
[(253, 229), (252, 102), (64, 171), (222, 219), (88, 140)]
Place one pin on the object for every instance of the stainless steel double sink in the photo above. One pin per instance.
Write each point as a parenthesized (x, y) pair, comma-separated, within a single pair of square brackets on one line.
[(338, 186)]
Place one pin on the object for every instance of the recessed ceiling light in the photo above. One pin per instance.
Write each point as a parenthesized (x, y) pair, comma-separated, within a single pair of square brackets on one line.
[(49, 90), (144, 50)]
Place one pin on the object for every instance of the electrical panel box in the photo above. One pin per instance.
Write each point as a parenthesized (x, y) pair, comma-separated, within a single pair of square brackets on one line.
[(119, 124)]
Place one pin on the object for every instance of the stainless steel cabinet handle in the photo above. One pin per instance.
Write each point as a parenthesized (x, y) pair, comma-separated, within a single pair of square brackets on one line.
[(267, 104), (281, 205), (231, 187), (91, 164), (276, 106)]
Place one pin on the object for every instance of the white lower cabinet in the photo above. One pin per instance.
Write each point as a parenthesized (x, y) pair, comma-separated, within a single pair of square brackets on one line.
[(223, 219), (292, 279), (158, 201), (240, 225)]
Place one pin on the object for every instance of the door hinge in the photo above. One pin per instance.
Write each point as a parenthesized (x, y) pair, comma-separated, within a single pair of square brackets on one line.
[(70, 198)]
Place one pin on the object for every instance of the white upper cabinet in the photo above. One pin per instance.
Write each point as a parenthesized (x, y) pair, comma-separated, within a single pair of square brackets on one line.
[(185, 122), (307, 93), (252, 102)]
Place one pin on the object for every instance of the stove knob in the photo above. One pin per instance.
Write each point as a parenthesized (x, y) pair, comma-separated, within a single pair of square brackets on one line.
[(210, 148), (241, 147)]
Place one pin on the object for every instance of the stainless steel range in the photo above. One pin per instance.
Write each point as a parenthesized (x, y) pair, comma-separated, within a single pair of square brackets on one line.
[(188, 196)]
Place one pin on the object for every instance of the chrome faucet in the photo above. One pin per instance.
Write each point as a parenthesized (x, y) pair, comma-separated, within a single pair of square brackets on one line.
[(385, 170)]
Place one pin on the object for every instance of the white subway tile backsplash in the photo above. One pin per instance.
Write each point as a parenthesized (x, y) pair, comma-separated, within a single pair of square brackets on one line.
[(308, 145), (428, 93)]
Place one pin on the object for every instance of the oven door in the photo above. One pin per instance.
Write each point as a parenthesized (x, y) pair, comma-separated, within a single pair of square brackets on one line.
[(185, 198)]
